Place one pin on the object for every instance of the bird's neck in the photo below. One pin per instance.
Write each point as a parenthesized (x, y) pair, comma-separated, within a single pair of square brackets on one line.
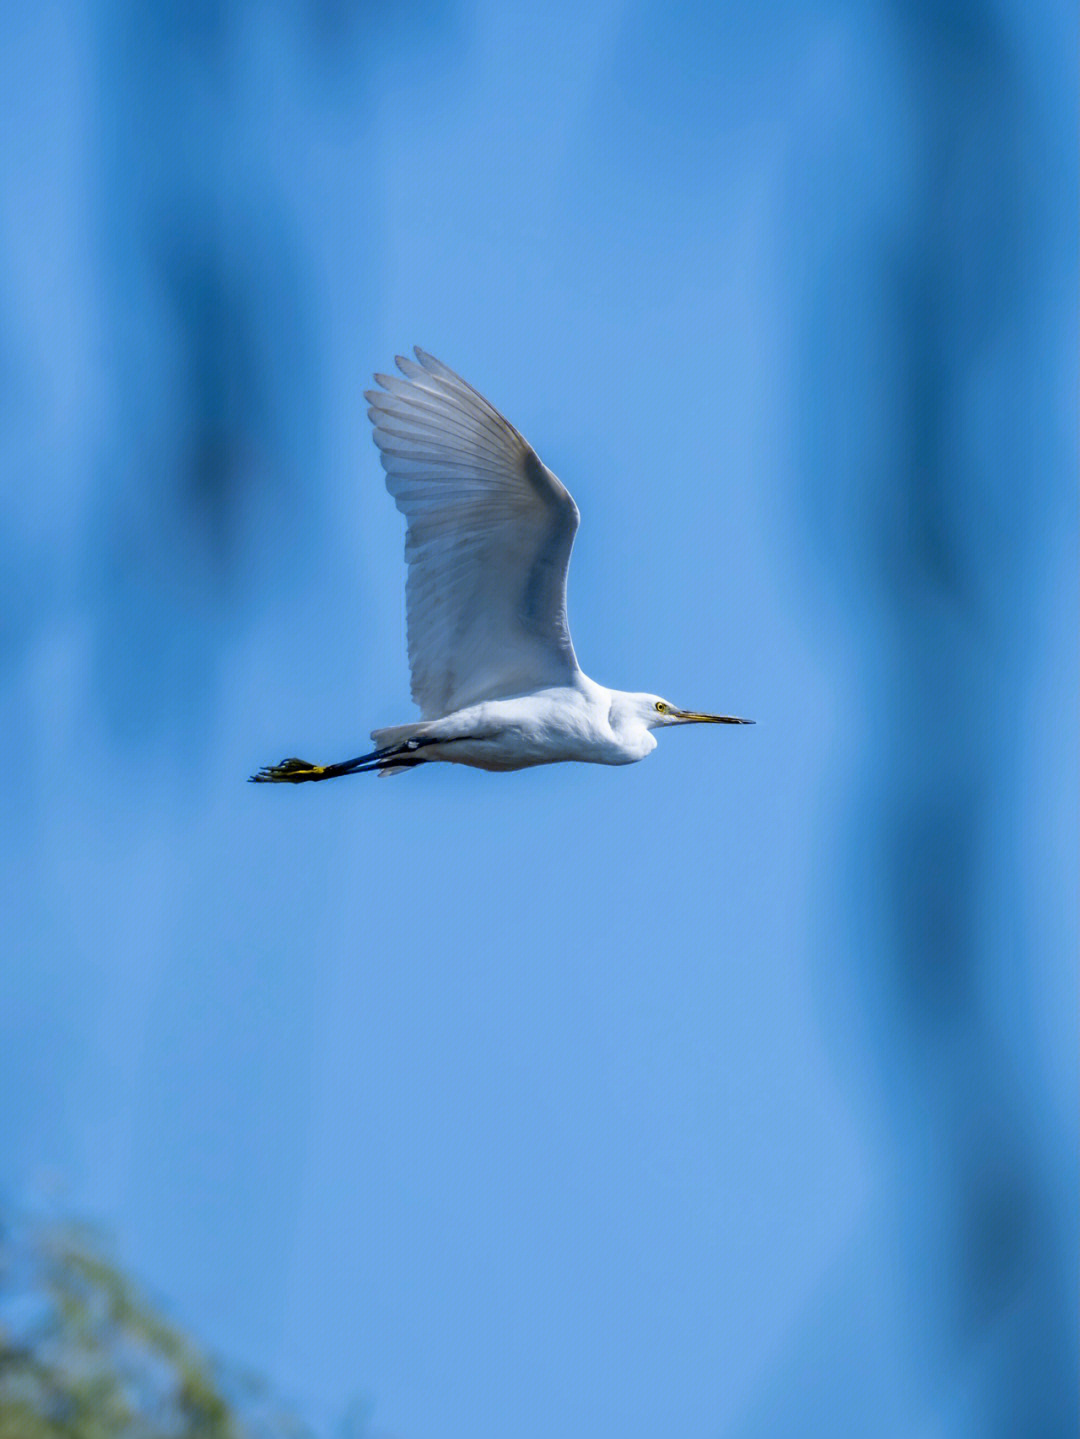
[(626, 710)]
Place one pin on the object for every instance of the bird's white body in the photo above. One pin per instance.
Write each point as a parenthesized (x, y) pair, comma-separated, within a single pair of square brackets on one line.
[(488, 541), (582, 721)]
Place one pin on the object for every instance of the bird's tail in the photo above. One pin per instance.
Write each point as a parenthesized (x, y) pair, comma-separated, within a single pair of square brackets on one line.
[(398, 744), (394, 736)]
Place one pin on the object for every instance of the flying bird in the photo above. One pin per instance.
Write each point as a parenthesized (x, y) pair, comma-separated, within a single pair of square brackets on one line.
[(488, 540)]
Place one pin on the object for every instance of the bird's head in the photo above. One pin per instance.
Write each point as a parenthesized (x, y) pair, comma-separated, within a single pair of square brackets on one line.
[(655, 712)]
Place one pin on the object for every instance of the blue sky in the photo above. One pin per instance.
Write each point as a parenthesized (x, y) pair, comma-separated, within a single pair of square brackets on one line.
[(730, 1093)]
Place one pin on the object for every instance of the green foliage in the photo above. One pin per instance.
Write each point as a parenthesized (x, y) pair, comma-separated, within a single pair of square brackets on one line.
[(83, 1355)]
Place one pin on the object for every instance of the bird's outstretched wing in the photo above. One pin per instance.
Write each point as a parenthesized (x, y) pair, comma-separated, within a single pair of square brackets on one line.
[(490, 530)]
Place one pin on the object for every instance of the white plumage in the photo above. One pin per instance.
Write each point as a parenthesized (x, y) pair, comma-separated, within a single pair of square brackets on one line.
[(489, 530), (488, 542)]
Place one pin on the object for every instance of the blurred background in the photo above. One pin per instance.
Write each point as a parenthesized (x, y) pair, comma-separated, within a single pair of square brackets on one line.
[(731, 1094)]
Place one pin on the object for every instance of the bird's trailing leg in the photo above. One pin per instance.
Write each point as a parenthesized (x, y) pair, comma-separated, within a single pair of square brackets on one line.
[(299, 771)]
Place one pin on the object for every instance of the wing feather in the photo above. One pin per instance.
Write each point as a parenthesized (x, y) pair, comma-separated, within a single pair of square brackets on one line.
[(488, 540)]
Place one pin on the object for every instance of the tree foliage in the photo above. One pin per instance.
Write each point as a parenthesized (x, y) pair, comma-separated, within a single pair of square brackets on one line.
[(84, 1355)]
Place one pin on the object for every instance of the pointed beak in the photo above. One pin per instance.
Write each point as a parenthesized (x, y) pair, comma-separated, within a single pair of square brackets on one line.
[(689, 717)]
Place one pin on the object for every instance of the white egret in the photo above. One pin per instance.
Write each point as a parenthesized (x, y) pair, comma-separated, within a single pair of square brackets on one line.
[(489, 534)]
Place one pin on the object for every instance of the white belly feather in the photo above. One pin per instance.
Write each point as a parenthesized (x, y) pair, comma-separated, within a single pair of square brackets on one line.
[(547, 728)]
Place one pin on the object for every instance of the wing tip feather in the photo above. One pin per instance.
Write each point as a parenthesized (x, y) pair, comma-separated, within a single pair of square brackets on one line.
[(431, 364)]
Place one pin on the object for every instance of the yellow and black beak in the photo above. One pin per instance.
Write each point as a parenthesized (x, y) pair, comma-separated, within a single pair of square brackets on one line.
[(689, 717)]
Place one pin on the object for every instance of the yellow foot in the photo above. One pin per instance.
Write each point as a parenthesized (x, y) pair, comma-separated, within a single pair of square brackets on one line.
[(289, 771)]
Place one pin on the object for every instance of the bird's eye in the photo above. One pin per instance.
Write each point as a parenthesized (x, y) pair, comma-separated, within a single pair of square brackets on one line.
[(660, 707)]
